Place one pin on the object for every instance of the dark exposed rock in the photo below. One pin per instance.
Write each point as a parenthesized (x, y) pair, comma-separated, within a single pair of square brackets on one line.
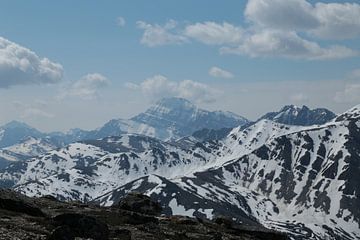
[(140, 203), (224, 221), (123, 234), (83, 226), (62, 233), (69, 221), (12, 202)]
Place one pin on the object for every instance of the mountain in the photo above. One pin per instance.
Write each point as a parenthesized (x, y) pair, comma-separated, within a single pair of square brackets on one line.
[(170, 118), (27, 148), (303, 180), (13, 132), (293, 115), (88, 169)]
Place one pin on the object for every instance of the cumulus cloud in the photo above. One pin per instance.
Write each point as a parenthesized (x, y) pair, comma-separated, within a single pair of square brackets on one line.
[(324, 20), (157, 35), (87, 87), (159, 86), (282, 14), (212, 33), (350, 94), (120, 21), (277, 28), (337, 20), (272, 43), (21, 66), (220, 73)]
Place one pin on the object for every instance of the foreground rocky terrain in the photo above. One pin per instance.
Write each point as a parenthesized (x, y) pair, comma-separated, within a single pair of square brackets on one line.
[(135, 217)]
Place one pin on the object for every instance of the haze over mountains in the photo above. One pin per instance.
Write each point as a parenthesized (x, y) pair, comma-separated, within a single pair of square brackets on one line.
[(296, 170)]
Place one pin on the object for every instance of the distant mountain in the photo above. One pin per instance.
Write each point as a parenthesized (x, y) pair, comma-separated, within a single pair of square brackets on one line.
[(302, 116), (13, 132), (88, 169), (25, 149), (170, 118)]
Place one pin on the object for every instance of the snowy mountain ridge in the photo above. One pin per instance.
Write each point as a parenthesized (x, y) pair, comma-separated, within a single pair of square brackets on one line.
[(267, 172)]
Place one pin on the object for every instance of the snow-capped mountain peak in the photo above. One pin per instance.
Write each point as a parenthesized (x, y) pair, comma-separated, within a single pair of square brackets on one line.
[(303, 116), (171, 118)]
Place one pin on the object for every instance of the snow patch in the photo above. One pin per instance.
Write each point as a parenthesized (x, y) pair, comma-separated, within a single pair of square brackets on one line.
[(178, 209)]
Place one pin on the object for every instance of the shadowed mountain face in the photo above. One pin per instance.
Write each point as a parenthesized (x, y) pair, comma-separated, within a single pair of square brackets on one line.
[(293, 115)]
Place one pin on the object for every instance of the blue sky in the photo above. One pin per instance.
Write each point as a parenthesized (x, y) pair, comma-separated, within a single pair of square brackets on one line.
[(245, 56)]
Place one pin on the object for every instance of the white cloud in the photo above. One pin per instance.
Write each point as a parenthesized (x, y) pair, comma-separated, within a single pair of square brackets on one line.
[(21, 66), (350, 94), (324, 20), (277, 28), (87, 87), (282, 14), (338, 20), (159, 86), (220, 73), (158, 35), (120, 21), (287, 44), (212, 33)]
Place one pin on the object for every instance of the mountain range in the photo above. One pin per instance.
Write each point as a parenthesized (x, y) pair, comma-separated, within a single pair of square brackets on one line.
[(296, 170), (168, 119)]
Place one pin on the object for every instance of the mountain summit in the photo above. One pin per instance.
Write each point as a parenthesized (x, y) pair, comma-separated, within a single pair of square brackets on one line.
[(171, 118), (185, 118), (303, 116), (14, 131)]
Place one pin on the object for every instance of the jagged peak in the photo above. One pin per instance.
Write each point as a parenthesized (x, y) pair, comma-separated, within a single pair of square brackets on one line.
[(291, 106)]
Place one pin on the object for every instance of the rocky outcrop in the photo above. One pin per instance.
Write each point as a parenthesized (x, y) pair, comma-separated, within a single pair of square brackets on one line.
[(137, 202), (55, 220)]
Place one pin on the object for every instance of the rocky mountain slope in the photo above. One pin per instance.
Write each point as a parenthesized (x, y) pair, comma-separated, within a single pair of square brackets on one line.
[(304, 182), (265, 173), (303, 116), (136, 217)]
